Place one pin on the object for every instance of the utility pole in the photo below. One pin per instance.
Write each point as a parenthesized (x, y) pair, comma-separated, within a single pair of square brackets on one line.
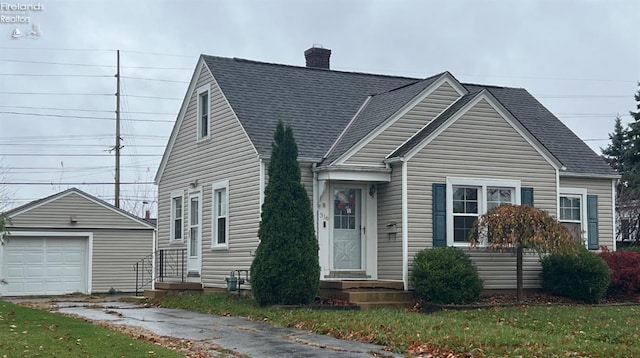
[(117, 148)]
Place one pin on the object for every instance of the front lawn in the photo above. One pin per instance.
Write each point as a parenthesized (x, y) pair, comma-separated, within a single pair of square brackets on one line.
[(581, 331), (27, 332)]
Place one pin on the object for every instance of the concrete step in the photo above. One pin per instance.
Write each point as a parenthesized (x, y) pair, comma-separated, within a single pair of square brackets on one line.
[(154, 293), (350, 284), (179, 286)]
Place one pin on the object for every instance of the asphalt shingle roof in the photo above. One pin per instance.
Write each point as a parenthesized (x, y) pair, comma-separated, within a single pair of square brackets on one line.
[(316, 103), (380, 107), (319, 104)]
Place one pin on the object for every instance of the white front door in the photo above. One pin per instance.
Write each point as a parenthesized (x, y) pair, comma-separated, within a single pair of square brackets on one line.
[(347, 228), (194, 244)]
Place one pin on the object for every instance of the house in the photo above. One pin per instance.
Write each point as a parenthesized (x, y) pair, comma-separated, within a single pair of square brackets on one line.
[(71, 242), (392, 165)]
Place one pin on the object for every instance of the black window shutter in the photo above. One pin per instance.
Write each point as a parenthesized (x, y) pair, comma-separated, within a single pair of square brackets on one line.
[(526, 196), (439, 209), (592, 221)]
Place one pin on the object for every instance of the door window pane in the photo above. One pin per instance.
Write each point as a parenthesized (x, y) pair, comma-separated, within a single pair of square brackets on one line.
[(345, 209)]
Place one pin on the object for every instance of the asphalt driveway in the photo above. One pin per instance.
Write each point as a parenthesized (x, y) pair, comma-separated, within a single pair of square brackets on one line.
[(237, 334)]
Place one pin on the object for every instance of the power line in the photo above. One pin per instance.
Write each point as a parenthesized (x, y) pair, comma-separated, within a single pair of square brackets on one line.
[(77, 183), (151, 97), (56, 63), (59, 109), (83, 117), (50, 75), (59, 94), (83, 110), (153, 79), (74, 155), (79, 145)]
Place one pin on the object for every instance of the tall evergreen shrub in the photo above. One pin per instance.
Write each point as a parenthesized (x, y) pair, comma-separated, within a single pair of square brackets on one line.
[(286, 269)]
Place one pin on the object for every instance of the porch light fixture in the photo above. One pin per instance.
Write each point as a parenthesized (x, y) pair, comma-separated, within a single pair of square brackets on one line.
[(392, 230), (372, 190), (73, 219)]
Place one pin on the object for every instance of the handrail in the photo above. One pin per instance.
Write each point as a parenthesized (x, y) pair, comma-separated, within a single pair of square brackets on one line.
[(170, 263)]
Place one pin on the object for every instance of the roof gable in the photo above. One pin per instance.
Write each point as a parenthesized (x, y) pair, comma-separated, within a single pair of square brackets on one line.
[(382, 111), (26, 208), (457, 110), (571, 151)]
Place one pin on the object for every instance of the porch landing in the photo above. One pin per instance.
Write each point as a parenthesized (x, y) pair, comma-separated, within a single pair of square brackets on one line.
[(173, 288), (368, 294)]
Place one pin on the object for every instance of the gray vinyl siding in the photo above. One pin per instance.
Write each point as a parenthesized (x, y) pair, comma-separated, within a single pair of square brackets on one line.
[(57, 213), (480, 144), (114, 254), (601, 188), (226, 155), (498, 270), (377, 149), (306, 177), (390, 210)]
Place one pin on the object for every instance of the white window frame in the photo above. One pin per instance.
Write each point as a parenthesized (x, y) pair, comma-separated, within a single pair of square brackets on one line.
[(174, 195), (201, 90), (582, 194), (218, 186), (482, 184)]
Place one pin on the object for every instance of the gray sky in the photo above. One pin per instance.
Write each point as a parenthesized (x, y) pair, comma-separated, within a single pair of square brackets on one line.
[(581, 59)]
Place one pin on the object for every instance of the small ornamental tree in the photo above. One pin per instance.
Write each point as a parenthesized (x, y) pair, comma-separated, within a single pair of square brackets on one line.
[(286, 269), (518, 227)]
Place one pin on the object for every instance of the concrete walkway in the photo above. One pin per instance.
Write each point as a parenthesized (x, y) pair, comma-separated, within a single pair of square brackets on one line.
[(254, 339)]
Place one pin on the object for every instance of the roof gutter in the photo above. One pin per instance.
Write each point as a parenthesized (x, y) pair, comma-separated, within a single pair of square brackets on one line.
[(587, 175)]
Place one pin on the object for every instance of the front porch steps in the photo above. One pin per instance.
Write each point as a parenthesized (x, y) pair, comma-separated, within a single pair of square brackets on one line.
[(368, 294), (173, 288)]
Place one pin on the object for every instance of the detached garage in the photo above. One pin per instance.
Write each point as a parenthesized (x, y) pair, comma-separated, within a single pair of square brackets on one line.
[(71, 242)]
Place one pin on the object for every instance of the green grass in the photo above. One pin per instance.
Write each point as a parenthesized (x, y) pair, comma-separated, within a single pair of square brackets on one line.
[(581, 331), (27, 332)]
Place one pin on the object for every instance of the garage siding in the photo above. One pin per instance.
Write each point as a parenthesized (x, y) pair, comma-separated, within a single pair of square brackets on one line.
[(58, 213)]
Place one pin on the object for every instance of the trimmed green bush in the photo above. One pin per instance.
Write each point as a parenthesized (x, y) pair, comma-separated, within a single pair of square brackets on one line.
[(582, 276), (286, 269), (445, 275)]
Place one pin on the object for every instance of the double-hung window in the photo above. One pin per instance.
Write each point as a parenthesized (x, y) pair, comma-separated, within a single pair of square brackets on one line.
[(176, 216), (204, 112), (573, 211), (467, 199), (220, 215)]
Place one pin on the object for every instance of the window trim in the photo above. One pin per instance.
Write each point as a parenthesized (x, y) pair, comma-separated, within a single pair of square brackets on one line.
[(482, 184), (584, 219), (173, 195), (214, 219), (206, 88)]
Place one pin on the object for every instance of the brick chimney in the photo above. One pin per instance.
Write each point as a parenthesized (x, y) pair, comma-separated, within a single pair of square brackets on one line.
[(317, 57)]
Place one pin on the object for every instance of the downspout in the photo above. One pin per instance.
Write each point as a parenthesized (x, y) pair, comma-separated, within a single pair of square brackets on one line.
[(261, 188), (405, 227), (315, 199), (613, 208)]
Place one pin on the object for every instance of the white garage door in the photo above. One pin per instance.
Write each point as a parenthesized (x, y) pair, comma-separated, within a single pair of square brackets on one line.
[(44, 266)]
